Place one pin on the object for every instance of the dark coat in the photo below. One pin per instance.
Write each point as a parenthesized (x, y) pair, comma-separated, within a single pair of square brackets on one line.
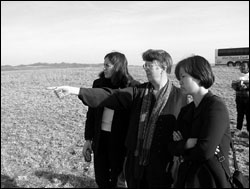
[(131, 99), (209, 122), (119, 125)]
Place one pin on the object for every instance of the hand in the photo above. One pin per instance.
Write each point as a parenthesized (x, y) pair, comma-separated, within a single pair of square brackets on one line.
[(177, 136), (64, 90), (86, 146), (191, 142)]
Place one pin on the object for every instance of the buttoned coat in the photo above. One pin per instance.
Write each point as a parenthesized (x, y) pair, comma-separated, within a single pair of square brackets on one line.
[(209, 123)]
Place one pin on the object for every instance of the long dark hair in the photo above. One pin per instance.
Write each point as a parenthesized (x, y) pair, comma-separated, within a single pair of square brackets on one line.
[(120, 77)]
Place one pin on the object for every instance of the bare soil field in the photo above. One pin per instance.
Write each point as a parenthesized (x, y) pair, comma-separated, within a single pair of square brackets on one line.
[(42, 136)]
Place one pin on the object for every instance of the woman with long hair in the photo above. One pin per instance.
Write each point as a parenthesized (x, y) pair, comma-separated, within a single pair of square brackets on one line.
[(106, 129)]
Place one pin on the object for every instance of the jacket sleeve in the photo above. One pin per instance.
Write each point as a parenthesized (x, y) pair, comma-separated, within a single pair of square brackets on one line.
[(89, 124), (134, 83), (90, 120), (176, 148), (105, 97)]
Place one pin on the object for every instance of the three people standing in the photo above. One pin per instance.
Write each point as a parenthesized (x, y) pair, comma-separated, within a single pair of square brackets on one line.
[(161, 124), (154, 107)]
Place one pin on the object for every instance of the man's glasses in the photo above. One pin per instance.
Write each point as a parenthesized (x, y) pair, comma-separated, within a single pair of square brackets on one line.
[(148, 66)]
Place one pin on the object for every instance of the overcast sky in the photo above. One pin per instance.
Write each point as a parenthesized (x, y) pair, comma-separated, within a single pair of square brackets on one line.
[(85, 31)]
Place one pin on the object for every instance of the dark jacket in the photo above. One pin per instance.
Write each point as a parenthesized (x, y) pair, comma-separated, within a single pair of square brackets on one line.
[(209, 122), (119, 125), (131, 99)]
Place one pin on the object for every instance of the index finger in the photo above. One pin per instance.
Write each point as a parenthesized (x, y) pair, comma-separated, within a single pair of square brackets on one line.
[(51, 88)]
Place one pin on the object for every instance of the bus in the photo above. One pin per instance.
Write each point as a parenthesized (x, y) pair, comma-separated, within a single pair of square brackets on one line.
[(231, 56)]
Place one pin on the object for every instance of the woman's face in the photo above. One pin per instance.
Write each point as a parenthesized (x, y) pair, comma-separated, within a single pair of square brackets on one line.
[(153, 71), (108, 68), (189, 85)]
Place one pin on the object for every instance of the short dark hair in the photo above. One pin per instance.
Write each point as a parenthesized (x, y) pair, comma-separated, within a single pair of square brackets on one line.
[(199, 68), (160, 55), (120, 76)]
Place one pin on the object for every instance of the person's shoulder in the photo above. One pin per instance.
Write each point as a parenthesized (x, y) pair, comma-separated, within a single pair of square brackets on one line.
[(215, 100), (98, 82), (134, 83), (143, 85), (139, 87)]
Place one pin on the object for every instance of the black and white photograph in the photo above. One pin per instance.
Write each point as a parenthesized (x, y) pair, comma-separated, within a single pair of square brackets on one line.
[(124, 94)]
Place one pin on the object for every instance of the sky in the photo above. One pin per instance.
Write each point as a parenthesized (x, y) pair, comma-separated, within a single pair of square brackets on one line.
[(85, 31)]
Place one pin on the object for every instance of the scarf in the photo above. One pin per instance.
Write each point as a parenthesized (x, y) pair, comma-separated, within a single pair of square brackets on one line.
[(147, 122)]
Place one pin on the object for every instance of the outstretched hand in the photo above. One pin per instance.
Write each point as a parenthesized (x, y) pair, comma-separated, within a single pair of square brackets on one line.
[(63, 91)]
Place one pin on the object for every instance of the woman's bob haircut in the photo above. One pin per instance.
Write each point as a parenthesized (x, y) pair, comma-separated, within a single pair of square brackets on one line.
[(197, 67)]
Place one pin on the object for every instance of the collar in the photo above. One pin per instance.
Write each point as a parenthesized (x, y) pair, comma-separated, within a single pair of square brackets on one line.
[(202, 104)]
